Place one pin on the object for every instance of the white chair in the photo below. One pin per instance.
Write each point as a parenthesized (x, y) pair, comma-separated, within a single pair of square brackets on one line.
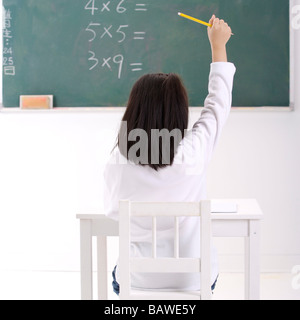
[(176, 264)]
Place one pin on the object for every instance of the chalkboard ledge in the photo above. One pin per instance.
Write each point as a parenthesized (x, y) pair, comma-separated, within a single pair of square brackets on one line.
[(63, 110), (122, 109)]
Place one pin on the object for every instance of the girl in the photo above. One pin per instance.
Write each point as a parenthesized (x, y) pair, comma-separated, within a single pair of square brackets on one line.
[(158, 159)]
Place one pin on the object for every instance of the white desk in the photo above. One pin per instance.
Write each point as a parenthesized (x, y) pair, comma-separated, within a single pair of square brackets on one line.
[(245, 223)]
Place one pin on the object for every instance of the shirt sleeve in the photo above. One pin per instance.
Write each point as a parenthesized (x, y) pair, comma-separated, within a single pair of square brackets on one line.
[(111, 189), (217, 106)]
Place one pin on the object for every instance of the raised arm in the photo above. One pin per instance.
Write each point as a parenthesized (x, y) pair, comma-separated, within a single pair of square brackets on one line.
[(217, 105), (218, 35)]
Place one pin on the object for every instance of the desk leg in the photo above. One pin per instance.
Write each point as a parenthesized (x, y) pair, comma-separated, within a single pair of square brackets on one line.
[(252, 266), (86, 259), (102, 267)]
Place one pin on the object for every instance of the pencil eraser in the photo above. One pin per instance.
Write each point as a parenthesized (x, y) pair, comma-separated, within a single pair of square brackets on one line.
[(36, 102)]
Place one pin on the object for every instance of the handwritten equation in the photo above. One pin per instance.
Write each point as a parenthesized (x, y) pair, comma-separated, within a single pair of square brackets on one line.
[(9, 68), (98, 30)]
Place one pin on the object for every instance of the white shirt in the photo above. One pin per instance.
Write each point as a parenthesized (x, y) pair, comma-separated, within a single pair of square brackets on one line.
[(185, 180)]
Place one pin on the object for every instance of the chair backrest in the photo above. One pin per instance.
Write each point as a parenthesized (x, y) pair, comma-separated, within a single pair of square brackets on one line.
[(176, 264)]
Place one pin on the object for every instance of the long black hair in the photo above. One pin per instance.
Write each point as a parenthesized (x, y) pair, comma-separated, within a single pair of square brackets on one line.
[(157, 102)]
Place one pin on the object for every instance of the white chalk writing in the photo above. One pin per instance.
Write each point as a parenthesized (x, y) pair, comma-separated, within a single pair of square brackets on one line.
[(100, 31), (9, 68)]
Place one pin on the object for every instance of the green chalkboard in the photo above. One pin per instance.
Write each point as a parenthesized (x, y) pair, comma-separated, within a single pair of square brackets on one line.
[(88, 53)]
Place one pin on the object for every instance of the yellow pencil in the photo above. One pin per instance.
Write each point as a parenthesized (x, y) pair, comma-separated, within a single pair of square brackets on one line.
[(194, 19)]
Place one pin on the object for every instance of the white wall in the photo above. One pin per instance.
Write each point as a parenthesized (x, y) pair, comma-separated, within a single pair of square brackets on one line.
[(51, 168)]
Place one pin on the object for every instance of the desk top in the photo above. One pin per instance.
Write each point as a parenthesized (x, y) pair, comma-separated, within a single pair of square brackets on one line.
[(247, 209)]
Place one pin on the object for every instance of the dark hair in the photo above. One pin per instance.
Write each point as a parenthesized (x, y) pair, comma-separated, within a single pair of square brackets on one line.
[(157, 101)]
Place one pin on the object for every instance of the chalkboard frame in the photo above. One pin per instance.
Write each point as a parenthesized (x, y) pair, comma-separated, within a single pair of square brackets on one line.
[(290, 107)]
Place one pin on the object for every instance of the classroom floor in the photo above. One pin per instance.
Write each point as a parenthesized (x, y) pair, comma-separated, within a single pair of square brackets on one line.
[(27, 285)]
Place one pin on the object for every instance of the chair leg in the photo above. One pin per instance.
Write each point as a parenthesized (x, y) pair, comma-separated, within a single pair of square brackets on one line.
[(102, 267)]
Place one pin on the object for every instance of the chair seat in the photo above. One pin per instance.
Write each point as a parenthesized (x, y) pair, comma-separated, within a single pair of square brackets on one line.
[(164, 295)]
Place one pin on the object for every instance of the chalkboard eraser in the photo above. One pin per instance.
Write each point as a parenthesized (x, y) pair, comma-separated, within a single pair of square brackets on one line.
[(36, 102)]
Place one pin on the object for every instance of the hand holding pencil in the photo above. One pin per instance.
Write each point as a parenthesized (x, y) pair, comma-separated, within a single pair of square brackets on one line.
[(219, 33), (208, 24)]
